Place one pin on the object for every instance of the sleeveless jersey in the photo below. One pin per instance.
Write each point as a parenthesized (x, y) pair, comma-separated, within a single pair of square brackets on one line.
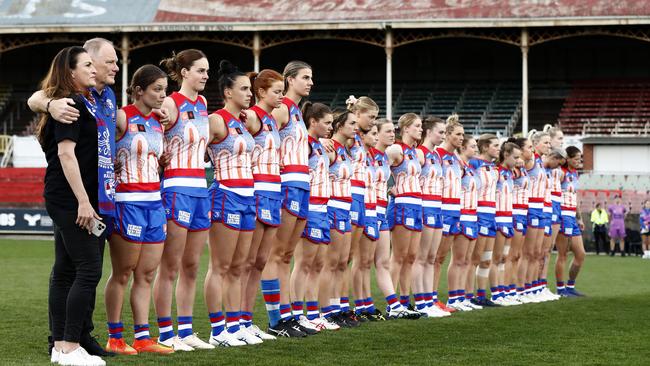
[(318, 173), (556, 184), (521, 188), (266, 154), (548, 205), (470, 187), (231, 157), (138, 150), (488, 173), (569, 186), (538, 182), (340, 173), (370, 197), (505, 189), (431, 179), (382, 171), (358, 155), (407, 173), (294, 149), (186, 141), (452, 174)]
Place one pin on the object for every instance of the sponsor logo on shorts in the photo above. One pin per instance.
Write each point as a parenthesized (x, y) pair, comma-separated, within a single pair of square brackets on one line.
[(446, 228), (233, 219), (568, 231), (316, 233), (520, 226), (469, 231), (266, 214), (554, 218), (505, 229), (184, 216), (294, 206), (342, 225), (484, 230), (534, 222), (134, 230), (354, 215), (431, 220), (410, 221), (371, 231)]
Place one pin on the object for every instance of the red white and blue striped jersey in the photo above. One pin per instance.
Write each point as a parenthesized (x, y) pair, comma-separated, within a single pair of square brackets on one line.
[(186, 141), (505, 189), (370, 197), (488, 173), (231, 157), (340, 173), (521, 188), (431, 179), (548, 205), (453, 173), (319, 182), (138, 150), (382, 172), (471, 185), (294, 149), (406, 174), (538, 182), (569, 186), (556, 184), (266, 154), (358, 154)]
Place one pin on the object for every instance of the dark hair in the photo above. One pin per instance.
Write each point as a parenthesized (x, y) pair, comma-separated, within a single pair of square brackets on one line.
[(484, 141), (598, 204), (519, 141), (179, 61), (262, 80), (507, 148), (58, 83), (340, 116), (291, 71), (227, 75), (314, 110), (571, 153), (143, 77), (466, 139), (428, 123)]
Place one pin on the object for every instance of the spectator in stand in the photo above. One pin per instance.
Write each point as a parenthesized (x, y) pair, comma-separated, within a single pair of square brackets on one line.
[(599, 220), (617, 213), (644, 219)]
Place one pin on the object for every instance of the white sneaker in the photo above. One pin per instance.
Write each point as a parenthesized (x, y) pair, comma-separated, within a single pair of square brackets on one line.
[(305, 323), (533, 298), (551, 295), (195, 342), (79, 357), (176, 343), (501, 301), (469, 304), (244, 335), (54, 358), (260, 333), (324, 323), (458, 305), (512, 299), (225, 339), (436, 312)]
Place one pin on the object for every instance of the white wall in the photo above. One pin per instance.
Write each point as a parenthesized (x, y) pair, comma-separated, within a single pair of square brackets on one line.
[(622, 158), (28, 153)]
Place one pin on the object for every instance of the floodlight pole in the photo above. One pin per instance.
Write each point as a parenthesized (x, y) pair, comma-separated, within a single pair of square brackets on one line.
[(256, 52), (125, 68), (389, 74), (524, 81)]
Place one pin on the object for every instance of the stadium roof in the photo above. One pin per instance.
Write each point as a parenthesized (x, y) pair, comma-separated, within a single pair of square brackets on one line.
[(37, 16)]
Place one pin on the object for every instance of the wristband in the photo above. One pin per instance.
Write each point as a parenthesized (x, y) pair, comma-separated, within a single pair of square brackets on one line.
[(47, 107)]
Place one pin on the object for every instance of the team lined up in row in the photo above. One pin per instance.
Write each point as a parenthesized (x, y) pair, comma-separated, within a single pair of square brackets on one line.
[(288, 181)]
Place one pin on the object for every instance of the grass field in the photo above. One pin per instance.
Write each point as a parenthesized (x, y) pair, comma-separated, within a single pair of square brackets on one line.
[(611, 326)]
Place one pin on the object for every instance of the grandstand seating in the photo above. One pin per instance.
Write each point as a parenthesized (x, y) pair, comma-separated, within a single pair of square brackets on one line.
[(21, 187), (595, 187), (607, 108)]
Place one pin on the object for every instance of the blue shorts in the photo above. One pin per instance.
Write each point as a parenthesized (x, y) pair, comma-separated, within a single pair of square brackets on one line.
[(382, 219), (548, 222), (371, 225), (469, 226), (535, 218), (233, 210), (557, 213), (189, 212), (487, 225), (358, 211), (338, 215), (570, 224), (140, 224), (268, 209), (317, 229), (505, 225), (408, 215), (431, 216), (296, 201), (451, 224), (520, 223)]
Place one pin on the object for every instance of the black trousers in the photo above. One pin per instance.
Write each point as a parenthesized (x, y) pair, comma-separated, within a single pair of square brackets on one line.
[(600, 236), (75, 274)]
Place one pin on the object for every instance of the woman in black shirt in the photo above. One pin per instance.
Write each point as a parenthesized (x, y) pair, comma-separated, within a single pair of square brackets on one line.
[(71, 199)]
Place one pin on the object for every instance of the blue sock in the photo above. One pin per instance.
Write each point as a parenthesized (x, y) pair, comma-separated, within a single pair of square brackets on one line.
[(571, 284), (327, 311), (115, 330), (285, 311), (370, 305), (392, 302), (296, 309), (141, 331), (359, 306), (312, 310), (419, 301), (246, 319), (165, 328), (232, 321), (271, 293), (184, 326), (217, 322), (405, 300), (345, 304), (452, 296)]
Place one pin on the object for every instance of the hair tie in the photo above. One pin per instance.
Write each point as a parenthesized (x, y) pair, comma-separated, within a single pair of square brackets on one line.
[(351, 100)]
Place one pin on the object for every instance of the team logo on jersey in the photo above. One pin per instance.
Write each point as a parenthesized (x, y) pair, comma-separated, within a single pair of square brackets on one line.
[(319, 151), (134, 230), (190, 115), (141, 128), (238, 130), (296, 117)]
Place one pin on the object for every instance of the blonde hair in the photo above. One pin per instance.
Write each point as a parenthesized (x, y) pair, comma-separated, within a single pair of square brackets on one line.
[(291, 71), (406, 120), (382, 121), (362, 104), (453, 121), (535, 136), (551, 130), (484, 140)]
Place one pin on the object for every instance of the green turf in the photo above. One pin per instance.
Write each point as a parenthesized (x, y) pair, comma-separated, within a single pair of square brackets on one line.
[(611, 326)]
